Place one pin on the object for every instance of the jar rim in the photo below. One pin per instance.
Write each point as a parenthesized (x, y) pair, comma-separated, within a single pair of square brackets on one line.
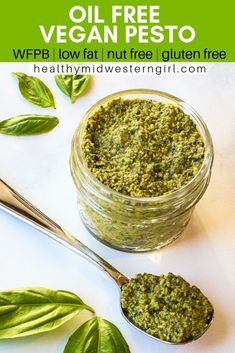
[(207, 161)]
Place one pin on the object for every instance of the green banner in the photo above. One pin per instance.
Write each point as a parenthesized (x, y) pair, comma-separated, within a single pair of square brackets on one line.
[(123, 31)]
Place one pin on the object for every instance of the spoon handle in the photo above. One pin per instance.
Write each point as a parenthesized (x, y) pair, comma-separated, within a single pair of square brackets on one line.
[(17, 205)]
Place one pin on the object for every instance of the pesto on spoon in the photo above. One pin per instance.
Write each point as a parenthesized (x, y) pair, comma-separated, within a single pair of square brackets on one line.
[(166, 307), (17, 205)]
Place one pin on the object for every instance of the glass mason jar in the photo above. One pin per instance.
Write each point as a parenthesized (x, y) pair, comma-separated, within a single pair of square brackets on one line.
[(130, 223)]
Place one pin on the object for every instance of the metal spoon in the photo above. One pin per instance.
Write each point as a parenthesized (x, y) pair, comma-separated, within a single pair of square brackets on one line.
[(18, 206)]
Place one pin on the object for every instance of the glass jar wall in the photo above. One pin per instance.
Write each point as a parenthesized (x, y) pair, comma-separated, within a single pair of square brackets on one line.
[(131, 223)]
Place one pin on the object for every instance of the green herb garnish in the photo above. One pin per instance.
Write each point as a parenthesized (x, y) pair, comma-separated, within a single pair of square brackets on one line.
[(34, 90), (28, 125), (72, 85), (97, 336), (29, 311)]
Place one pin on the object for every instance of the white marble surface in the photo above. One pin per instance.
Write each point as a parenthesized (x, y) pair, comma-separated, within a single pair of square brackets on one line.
[(38, 168)]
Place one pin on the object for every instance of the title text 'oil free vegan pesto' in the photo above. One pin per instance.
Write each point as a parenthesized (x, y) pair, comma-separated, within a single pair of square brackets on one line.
[(141, 160)]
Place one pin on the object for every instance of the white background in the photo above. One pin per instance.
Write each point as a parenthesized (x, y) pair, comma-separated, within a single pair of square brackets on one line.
[(38, 168)]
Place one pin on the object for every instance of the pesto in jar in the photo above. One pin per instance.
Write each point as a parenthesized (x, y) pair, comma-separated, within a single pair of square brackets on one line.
[(166, 307), (142, 148)]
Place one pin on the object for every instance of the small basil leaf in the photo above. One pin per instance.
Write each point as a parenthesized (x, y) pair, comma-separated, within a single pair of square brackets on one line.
[(97, 336), (23, 125), (34, 90), (28, 311), (72, 85)]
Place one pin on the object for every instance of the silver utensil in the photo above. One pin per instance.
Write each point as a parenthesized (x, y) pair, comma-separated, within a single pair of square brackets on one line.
[(15, 204)]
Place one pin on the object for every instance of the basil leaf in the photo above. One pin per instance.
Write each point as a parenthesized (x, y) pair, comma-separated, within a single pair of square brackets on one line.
[(97, 336), (28, 125), (72, 85), (28, 311), (34, 90)]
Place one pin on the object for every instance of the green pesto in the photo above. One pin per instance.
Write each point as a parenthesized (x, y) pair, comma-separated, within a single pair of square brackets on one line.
[(142, 148), (166, 307)]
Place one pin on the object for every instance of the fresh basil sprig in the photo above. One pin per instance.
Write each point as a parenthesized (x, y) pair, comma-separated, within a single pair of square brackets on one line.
[(28, 125), (28, 311), (72, 85), (34, 90), (97, 336)]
